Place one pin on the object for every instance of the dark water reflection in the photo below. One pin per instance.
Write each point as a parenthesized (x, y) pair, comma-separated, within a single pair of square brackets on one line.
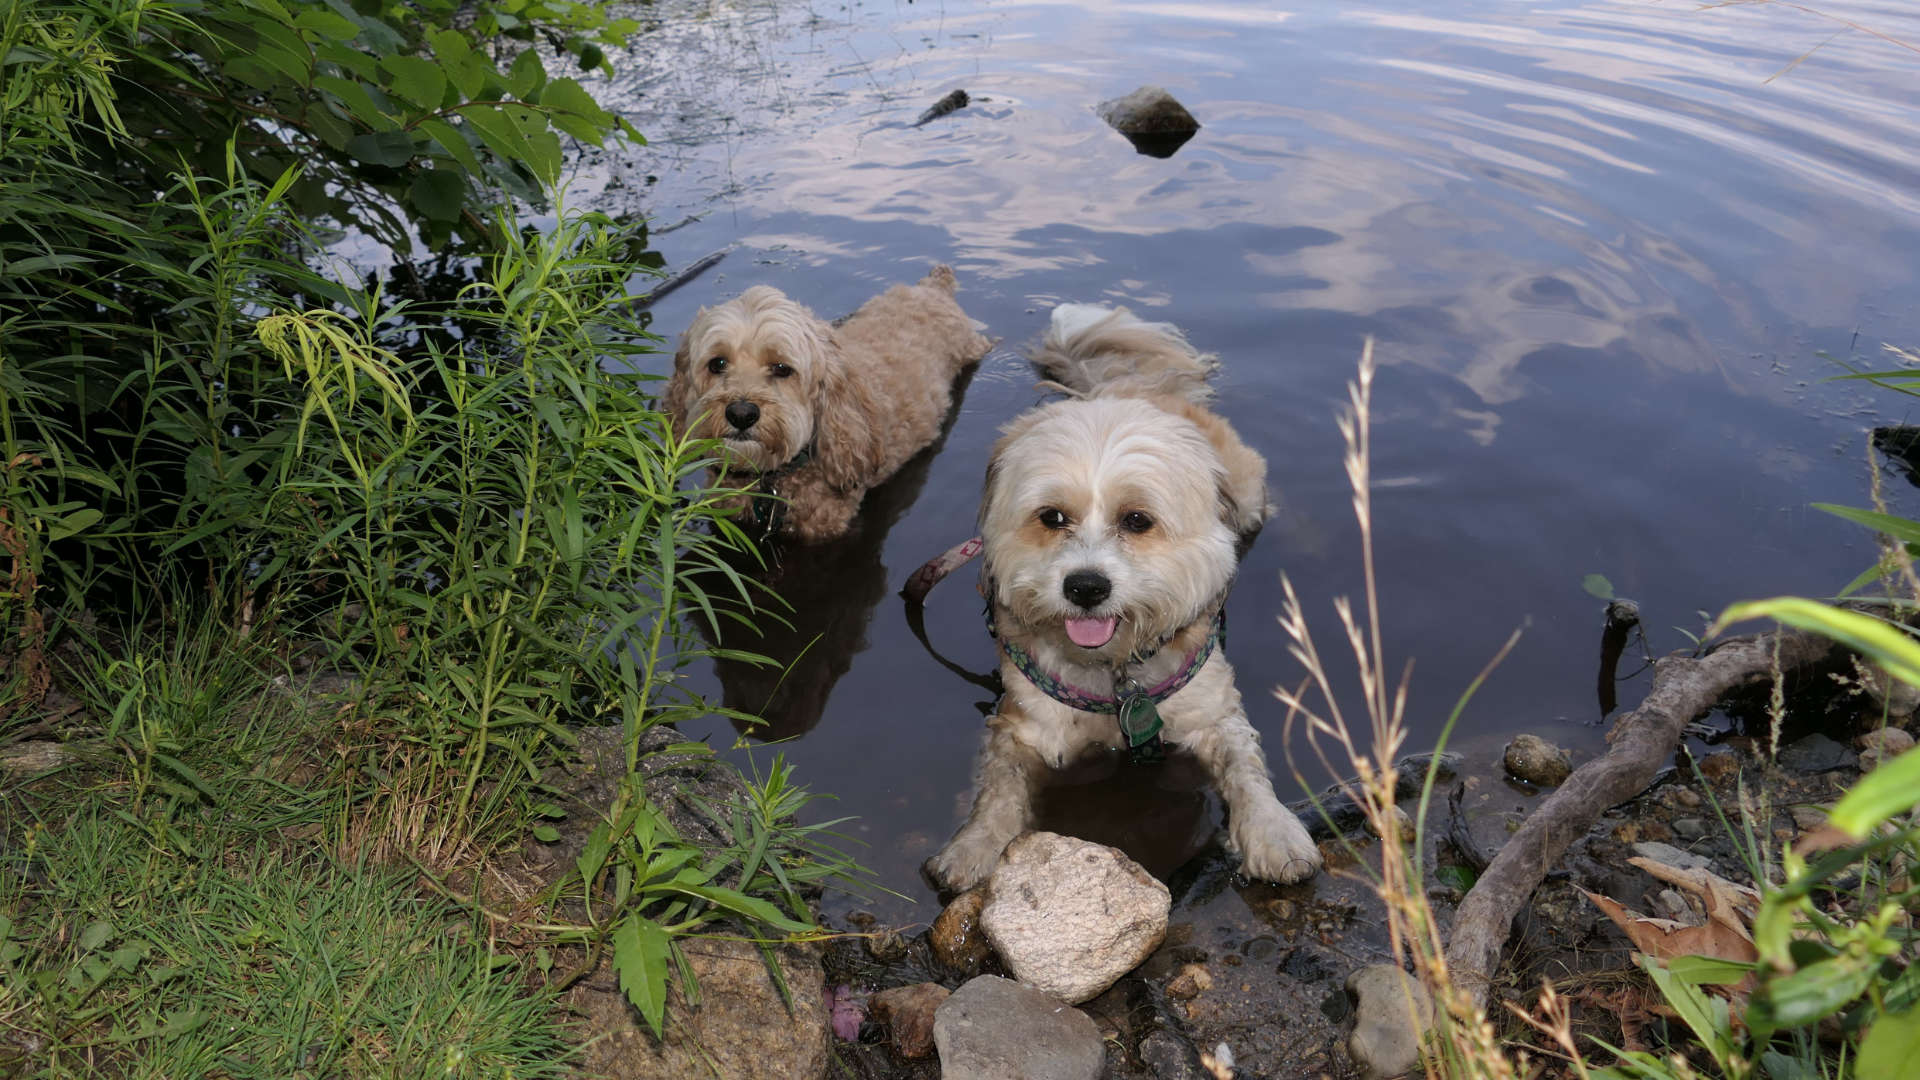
[(1599, 253)]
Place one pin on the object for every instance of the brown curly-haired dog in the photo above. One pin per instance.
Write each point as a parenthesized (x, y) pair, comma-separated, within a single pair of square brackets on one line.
[(815, 413)]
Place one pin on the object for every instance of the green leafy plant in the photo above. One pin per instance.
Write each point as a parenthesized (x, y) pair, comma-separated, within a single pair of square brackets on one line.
[(644, 886)]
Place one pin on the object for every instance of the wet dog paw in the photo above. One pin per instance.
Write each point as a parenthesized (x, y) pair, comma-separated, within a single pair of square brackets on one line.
[(1274, 846), (964, 862)]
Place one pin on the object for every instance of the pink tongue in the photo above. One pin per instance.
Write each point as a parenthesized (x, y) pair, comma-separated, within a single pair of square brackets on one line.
[(1091, 633)]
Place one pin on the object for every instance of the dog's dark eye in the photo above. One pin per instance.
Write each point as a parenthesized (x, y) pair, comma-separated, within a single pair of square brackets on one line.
[(781, 371), (1135, 522), (1053, 519), (717, 365)]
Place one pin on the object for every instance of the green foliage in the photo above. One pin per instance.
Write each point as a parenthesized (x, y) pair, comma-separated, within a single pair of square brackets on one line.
[(643, 884), (254, 965), (501, 517), (467, 509), (399, 115), (164, 160)]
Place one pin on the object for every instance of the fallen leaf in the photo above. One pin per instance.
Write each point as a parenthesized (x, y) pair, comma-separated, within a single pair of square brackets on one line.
[(1729, 905)]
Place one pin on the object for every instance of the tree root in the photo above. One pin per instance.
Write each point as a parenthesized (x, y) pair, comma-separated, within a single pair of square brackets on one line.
[(1683, 688)]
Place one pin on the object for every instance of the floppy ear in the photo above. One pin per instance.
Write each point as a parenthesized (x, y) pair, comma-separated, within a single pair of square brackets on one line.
[(1244, 502), (680, 386), (849, 435), (990, 490)]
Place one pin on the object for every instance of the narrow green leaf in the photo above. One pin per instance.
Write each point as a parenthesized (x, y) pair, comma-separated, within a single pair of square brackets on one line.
[(1695, 970), (750, 906), (1899, 528), (1864, 634), (1893, 788), (73, 524), (1598, 585), (593, 854)]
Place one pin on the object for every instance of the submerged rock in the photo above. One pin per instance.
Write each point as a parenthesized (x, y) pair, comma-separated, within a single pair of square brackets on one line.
[(908, 1012), (1151, 119), (1537, 761), (997, 1029), (1069, 916), (956, 940), (1391, 1013)]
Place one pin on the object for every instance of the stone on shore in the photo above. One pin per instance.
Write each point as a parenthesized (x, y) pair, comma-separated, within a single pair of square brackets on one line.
[(1070, 917), (956, 940), (908, 1012), (996, 1029), (1391, 1014)]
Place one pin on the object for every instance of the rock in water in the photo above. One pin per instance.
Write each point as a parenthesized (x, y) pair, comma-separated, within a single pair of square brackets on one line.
[(1151, 119), (997, 1029), (1386, 1033), (908, 1012), (1070, 917), (952, 102), (1537, 761), (956, 939)]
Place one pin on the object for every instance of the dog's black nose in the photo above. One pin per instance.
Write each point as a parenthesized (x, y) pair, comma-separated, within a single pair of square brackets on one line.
[(1087, 588), (742, 414)]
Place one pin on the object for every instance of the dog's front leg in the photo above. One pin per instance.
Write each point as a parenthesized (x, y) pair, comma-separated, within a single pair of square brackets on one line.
[(1271, 842), (819, 513), (1008, 774)]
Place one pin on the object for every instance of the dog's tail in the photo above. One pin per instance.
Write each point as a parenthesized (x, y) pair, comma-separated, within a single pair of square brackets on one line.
[(1092, 350)]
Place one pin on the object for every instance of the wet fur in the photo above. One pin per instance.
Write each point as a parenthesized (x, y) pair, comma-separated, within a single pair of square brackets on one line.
[(1134, 435), (866, 394)]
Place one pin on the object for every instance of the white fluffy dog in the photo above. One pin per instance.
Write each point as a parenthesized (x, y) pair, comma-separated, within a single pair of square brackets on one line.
[(1111, 523), (815, 414)]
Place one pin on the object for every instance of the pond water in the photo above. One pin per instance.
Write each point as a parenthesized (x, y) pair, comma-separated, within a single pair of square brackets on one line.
[(1600, 252)]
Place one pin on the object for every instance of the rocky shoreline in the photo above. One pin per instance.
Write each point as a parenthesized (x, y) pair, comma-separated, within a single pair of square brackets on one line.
[(1207, 974)]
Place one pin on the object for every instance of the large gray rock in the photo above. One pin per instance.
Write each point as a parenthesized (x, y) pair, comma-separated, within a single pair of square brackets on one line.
[(1069, 916), (997, 1029), (1391, 1014)]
